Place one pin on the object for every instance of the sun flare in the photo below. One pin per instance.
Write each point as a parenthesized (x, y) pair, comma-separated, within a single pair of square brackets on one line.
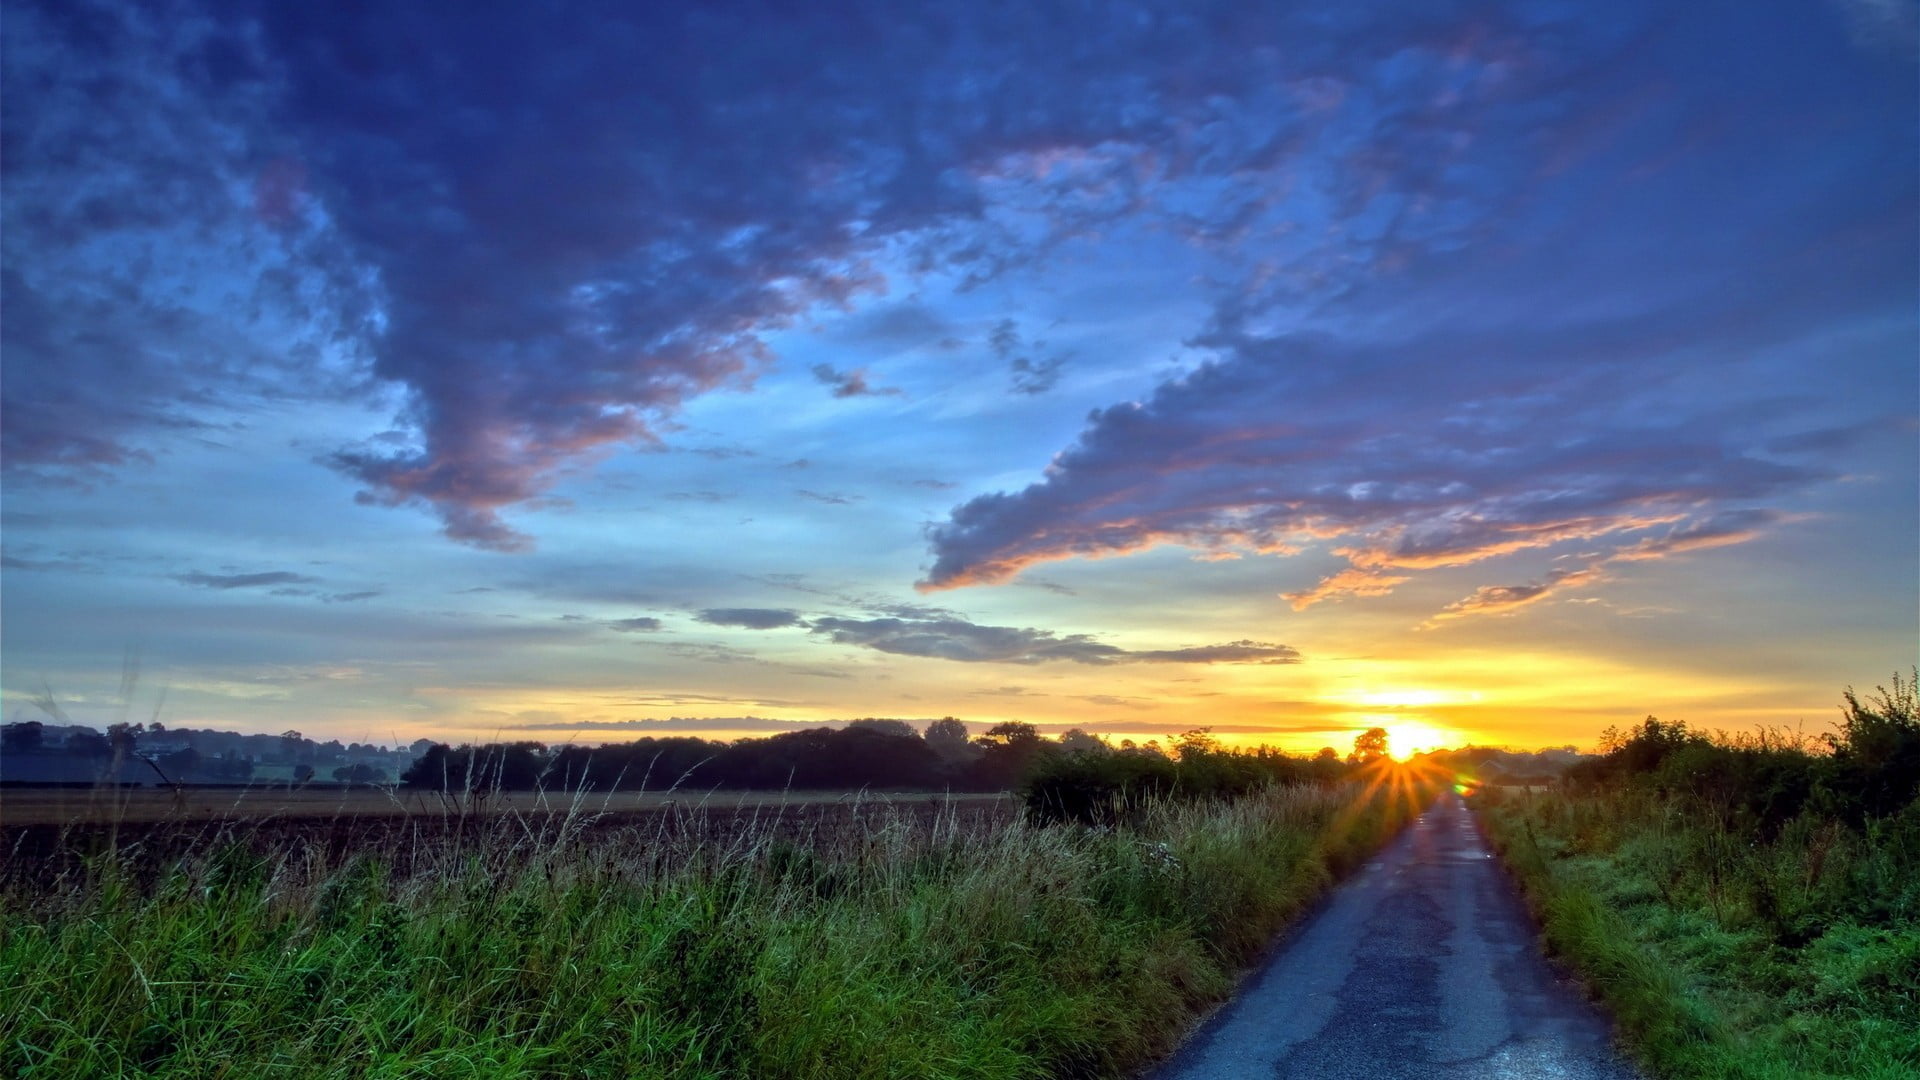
[(1405, 739)]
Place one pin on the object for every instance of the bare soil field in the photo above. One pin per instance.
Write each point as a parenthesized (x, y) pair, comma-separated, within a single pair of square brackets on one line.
[(106, 806), (45, 834)]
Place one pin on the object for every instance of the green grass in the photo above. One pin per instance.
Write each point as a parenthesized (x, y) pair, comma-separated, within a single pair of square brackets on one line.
[(1727, 950), (901, 948)]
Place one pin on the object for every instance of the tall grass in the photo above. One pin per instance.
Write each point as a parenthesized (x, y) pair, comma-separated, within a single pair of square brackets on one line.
[(1749, 908), (897, 945)]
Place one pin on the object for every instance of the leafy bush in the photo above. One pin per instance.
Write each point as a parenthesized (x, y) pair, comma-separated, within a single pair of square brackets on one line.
[(1748, 907)]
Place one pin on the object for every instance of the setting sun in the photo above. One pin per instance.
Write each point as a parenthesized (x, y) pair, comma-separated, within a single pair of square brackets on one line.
[(1404, 740)]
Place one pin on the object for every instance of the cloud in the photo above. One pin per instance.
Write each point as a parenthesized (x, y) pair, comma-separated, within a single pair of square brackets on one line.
[(956, 639), (704, 652), (15, 562), (828, 497), (642, 624), (1506, 599), (135, 146), (750, 618), (1031, 372), (549, 240), (1244, 651), (1720, 530), (949, 638), (673, 724), (854, 383), (1890, 26), (1497, 372), (1353, 581), (243, 581)]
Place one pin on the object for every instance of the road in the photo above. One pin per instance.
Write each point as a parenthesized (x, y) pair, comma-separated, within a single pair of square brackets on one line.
[(1423, 965)]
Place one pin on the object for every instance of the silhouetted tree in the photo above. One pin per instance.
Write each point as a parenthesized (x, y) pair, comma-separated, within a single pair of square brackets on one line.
[(124, 737), (86, 742), (1076, 741), (1009, 733), (178, 763), (950, 739), (25, 736), (1009, 751), (898, 728), (1195, 743), (1370, 745)]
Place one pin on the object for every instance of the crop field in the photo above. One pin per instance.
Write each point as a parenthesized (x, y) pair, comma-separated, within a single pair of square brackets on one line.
[(46, 833), (94, 806), (768, 936)]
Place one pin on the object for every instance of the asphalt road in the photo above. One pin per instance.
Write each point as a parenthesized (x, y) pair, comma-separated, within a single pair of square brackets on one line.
[(1424, 964)]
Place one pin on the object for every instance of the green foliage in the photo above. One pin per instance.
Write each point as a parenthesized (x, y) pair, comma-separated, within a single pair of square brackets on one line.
[(1748, 909), (902, 947), (1370, 745), (1870, 767), (1109, 787)]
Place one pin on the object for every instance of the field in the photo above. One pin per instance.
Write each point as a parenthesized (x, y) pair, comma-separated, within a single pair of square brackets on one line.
[(860, 936), (85, 806), (46, 833)]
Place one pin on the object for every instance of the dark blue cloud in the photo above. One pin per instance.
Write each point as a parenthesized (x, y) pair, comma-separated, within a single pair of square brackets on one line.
[(846, 384), (1626, 309), (549, 229), (948, 637), (575, 220), (243, 581), (750, 618)]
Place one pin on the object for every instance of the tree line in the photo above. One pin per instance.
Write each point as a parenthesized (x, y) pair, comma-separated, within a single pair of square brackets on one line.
[(872, 753)]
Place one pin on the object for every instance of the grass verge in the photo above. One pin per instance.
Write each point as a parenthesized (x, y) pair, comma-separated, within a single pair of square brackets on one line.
[(1722, 950), (897, 946)]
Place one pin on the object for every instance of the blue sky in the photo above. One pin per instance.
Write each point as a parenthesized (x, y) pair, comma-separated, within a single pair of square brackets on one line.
[(1492, 372)]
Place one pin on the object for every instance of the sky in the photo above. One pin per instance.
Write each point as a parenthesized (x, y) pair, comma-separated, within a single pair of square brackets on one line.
[(1494, 373)]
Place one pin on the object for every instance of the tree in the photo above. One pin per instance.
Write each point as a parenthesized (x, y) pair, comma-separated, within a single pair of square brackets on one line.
[(86, 742), (1370, 745), (1009, 733), (179, 763), (890, 727), (123, 737), (23, 737), (949, 738), (1076, 741), (1194, 743)]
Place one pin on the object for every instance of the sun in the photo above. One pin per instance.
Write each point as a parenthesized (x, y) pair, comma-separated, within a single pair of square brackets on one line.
[(1406, 738)]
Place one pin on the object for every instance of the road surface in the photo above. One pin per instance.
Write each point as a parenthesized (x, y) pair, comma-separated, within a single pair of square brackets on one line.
[(1423, 965)]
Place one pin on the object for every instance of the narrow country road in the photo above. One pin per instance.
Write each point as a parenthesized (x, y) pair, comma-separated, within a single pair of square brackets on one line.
[(1423, 965)]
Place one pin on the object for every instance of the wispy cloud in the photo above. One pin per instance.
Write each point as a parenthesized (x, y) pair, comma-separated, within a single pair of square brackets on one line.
[(1030, 366), (243, 581), (849, 384), (1506, 599), (968, 642), (750, 618)]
